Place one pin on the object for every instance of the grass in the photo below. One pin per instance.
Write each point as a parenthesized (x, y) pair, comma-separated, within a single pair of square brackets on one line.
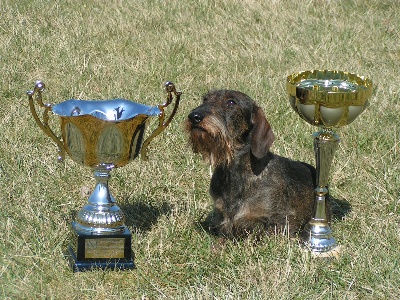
[(106, 49)]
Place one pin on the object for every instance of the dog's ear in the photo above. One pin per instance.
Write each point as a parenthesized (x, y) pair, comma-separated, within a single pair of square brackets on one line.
[(262, 136)]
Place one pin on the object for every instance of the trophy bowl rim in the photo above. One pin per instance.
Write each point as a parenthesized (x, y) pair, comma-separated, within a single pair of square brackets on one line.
[(328, 98), (332, 95), (99, 110)]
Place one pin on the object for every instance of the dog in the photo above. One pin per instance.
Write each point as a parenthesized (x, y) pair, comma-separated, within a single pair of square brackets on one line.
[(254, 190)]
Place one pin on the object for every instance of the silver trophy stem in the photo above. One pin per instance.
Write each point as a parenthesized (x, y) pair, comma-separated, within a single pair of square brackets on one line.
[(101, 215), (319, 235)]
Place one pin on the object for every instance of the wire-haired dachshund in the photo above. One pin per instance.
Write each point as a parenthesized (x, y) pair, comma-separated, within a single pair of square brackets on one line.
[(253, 190)]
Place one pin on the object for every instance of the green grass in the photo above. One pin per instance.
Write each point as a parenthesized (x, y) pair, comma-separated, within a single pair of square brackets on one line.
[(106, 49)]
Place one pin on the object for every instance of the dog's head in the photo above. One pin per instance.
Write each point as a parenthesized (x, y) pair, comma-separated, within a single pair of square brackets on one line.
[(227, 123)]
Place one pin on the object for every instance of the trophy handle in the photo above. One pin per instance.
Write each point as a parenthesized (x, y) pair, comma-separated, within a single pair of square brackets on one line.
[(170, 89), (39, 87)]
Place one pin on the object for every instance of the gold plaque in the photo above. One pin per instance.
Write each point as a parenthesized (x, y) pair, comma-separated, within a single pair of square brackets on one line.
[(105, 248)]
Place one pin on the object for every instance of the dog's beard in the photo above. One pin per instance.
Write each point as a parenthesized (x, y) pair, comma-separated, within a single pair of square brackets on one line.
[(211, 140)]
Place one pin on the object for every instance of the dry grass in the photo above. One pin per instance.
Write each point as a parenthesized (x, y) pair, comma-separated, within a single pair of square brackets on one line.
[(106, 49)]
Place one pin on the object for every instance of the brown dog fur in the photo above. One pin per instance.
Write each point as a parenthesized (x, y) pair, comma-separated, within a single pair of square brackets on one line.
[(254, 190)]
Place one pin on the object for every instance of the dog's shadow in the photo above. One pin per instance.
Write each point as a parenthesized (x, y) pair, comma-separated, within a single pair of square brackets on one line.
[(339, 208), (206, 224)]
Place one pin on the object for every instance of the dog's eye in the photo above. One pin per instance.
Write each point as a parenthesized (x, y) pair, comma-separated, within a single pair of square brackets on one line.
[(230, 103)]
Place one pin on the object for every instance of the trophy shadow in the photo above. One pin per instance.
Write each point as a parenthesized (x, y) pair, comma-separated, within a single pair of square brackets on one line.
[(142, 215), (339, 209)]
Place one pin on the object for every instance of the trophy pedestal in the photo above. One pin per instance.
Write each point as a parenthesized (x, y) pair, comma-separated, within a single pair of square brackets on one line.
[(103, 251)]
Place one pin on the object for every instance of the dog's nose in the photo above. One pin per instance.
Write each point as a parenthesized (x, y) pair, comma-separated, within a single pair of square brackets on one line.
[(195, 118)]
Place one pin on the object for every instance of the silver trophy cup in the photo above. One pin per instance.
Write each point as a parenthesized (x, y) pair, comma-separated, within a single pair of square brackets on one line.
[(102, 135)]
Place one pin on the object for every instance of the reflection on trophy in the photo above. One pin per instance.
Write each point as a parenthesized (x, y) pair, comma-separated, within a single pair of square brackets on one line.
[(102, 135), (327, 99)]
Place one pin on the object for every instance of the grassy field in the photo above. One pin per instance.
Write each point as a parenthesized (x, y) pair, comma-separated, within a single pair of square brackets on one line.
[(107, 49)]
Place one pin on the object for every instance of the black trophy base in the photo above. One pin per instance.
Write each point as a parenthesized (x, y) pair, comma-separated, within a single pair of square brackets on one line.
[(100, 251)]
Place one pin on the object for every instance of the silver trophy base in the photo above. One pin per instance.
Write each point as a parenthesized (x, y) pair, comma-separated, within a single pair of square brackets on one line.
[(100, 237), (319, 239), (106, 251)]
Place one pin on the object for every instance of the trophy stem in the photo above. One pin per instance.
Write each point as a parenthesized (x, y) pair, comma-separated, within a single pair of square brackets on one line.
[(319, 235), (101, 215)]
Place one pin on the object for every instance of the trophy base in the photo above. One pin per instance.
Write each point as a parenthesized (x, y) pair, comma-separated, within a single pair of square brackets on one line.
[(100, 251), (332, 253), (318, 237)]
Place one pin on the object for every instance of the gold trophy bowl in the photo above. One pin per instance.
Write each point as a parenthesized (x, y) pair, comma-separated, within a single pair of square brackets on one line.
[(327, 99), (102, 135)]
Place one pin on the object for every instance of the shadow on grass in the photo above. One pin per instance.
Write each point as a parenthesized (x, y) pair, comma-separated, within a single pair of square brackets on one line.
[(206, 224), (339, 208), (143, 215)]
